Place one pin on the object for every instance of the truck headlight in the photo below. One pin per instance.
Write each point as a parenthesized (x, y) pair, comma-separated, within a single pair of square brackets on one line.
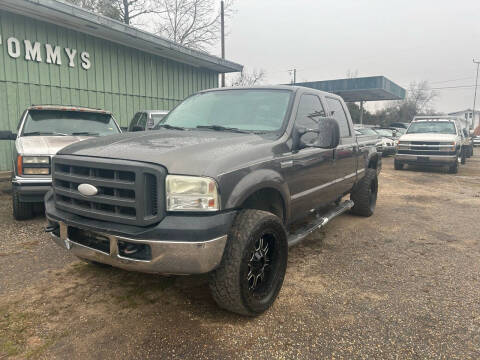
[(33, 165), (191, 193)]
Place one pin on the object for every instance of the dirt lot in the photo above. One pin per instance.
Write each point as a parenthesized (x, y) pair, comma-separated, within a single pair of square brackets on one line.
[(404, 283)]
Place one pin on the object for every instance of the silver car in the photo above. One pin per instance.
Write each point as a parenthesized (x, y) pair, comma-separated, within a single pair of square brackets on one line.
[(41, 132)]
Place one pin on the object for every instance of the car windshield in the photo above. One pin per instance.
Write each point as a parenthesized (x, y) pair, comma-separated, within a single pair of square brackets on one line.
[(367, 131), (255, 110), (56, 122), (438, 127), (384, 132)]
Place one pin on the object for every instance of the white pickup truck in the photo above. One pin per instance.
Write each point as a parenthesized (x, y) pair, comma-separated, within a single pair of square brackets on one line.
[(432, 140)]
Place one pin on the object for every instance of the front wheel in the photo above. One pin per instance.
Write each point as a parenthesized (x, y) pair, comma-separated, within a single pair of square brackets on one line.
[(253, 266), (364, 194), (397, 165), (21, 210), (463, 156)]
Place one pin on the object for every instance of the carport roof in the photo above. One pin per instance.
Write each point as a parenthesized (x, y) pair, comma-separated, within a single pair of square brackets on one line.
[(76, 18), (373, 88)]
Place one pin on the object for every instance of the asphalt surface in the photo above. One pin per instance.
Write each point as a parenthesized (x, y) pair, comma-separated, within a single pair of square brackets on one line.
[(403, 283)]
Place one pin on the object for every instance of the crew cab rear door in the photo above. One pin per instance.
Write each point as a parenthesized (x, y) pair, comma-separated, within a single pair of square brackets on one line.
[(311, 184), (345, 155)]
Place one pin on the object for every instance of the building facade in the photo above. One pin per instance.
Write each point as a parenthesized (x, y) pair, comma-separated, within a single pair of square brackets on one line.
[(55, 53), (472, 121)]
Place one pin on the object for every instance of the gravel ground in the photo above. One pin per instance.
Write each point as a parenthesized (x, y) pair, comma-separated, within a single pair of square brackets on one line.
[(401, 284)]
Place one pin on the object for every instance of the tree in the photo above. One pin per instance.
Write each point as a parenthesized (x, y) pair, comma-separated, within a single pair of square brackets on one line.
[(122, 10), (192, 23), (249, 79)]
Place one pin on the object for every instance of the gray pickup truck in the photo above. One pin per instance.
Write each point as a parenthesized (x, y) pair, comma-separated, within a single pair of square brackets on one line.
[(219, 187)]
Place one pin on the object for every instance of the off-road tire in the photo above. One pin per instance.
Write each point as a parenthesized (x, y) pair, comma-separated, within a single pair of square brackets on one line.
[(21, 210), (364, 194), (229, 283), (398, 165)]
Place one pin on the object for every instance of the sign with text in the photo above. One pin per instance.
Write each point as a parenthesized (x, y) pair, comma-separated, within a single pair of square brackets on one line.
[(51, 54)]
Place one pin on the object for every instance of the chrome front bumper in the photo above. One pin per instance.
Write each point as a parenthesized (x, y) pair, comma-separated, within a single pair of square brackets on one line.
[(167, 257), (441, 159)]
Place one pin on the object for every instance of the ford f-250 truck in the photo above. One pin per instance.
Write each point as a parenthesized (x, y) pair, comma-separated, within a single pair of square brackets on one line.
[(215, 189)]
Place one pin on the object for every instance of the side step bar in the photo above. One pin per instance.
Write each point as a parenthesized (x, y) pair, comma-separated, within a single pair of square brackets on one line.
[(321, 221)]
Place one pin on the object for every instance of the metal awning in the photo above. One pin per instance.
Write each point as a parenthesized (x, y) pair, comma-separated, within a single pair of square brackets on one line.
[(78, 19), (373, 88)]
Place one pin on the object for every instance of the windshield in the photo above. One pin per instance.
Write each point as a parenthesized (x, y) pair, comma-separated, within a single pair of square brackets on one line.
[(249, 110), (56, 122), (384, 132), (438, 127), (367, 131)]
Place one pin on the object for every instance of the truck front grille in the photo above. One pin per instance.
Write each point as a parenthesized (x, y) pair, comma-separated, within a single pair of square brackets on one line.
[(426, 148), (128, 192)]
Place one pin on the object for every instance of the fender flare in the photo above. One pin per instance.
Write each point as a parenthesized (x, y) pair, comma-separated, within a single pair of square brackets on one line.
[(258, 180)]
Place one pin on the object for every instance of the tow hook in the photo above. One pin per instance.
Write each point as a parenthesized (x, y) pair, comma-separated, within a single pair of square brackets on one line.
[(51, 228)]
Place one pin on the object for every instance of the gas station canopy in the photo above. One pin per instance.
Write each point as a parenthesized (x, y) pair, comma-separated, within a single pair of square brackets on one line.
[(373, 88)]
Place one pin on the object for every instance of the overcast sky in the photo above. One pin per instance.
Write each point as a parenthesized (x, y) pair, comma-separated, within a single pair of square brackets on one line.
[(405, 41)]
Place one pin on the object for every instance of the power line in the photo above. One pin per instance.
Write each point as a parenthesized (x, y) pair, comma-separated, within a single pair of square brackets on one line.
[(453, 87), (445, 81)]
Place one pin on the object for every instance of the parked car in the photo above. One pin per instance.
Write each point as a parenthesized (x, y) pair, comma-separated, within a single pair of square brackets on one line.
[(146, 120), (41, 132), (389, 138), (215, 189), (476, 140), (431, 140), (384, 145)]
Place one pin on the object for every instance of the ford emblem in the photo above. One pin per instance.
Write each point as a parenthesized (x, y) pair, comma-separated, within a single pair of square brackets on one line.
[(87, 189)]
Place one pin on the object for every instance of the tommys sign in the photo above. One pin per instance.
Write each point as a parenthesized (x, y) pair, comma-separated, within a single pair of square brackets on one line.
[(51, 54)]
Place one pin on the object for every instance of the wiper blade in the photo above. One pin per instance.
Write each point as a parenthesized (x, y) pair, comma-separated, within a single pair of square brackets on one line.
[(169, 127), (85, 133), (34, 133), (222, 128)]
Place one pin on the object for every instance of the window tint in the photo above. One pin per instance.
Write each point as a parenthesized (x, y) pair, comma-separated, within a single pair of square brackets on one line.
[(336, 107), (134, 120), (309, 113)]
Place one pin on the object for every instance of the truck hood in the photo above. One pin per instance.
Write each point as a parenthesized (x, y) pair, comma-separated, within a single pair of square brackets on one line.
[(195, 152), (45, 145), (429, 137)]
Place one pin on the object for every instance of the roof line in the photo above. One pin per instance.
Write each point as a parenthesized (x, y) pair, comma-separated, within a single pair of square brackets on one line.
[(70, 16)]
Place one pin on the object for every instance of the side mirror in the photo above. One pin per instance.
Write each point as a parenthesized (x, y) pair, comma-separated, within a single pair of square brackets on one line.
[(7, 135), (328, 135)]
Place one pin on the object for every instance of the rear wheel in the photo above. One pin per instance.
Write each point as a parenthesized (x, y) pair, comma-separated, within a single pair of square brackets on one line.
[(364, 194), (21, 210), (397, 165), (253, 266)]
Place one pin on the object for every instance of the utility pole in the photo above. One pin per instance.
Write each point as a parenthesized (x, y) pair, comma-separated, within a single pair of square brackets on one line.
[(222, 27), (475, 96), (294, 72)]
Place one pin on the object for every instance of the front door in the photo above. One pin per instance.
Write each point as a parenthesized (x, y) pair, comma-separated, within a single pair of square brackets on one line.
[(345, 157), (312, 183)]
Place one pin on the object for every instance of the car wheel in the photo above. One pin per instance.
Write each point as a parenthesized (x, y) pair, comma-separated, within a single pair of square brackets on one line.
[(453, 169), (21, 210), (253, 266), (463, 158), (364, 194), (398, 165)]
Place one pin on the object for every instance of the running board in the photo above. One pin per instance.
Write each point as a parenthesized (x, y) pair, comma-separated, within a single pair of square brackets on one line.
[(320, 222)]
